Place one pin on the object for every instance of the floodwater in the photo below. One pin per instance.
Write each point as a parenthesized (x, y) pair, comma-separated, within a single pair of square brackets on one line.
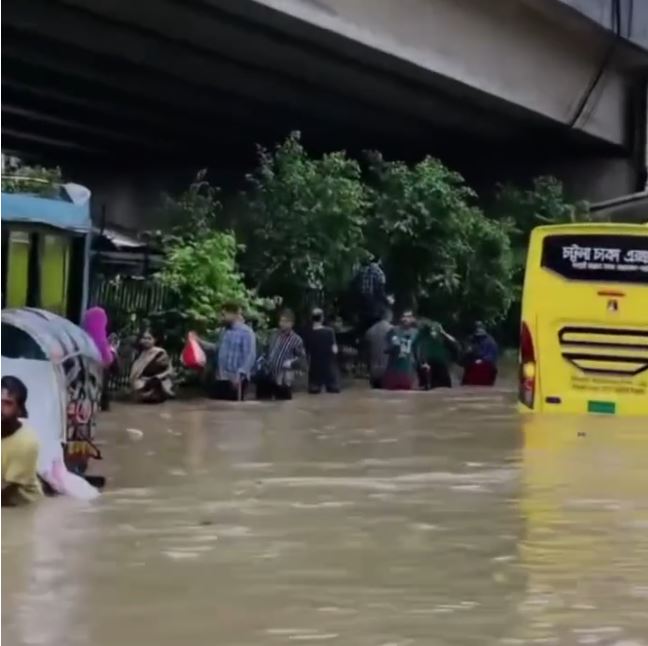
[(366, 519)]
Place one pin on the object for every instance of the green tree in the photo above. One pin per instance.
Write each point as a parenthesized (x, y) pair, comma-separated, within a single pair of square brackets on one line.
[(523, 209), (200, 262), (482, 271), (520, 210), (441, 253), (38, 180), (306, 220), (203, 275)]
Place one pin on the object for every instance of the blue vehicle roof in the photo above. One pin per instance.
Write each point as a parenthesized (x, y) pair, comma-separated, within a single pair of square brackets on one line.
[(59, 213)]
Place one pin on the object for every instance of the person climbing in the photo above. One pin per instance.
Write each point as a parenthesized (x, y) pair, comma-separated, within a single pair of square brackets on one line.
[(371, 295)]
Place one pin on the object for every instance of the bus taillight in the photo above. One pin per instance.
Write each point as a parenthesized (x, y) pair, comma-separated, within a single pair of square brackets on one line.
[(527, 367)]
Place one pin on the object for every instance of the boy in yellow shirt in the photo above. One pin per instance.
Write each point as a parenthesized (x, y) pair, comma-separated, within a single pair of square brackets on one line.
[(20, 484)]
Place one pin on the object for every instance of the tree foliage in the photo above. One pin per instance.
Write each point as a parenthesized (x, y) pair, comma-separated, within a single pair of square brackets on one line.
[(203, 275), (519, 210), (483, 287), (200, 261), (37, 180), (441, 253), (306, 221), (523, 209)]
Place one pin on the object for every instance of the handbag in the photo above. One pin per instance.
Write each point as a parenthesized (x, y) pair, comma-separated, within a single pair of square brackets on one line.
[(193, 356)]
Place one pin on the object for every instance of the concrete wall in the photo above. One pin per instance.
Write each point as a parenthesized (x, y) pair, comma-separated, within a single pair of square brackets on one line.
[(502, 48), (127, 198), (130, 198), (594, 179), (506, 49), (634, 16)]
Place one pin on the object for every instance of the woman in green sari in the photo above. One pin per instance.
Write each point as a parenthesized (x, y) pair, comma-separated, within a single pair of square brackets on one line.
[(434, 349)]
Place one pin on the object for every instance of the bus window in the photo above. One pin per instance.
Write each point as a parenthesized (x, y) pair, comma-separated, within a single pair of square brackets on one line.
[(597, 258), (18, 252), (54, 263)]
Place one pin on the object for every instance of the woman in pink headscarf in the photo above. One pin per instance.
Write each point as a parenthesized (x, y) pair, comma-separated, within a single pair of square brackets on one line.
[(95, 324)]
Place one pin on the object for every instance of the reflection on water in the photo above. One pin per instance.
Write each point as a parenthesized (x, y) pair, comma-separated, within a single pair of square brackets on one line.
[(369, 518), (586, 510)]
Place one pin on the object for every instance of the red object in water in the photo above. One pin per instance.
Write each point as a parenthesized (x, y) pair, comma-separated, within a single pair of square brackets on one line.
[(397, 381), (479, 374), (193, 356)]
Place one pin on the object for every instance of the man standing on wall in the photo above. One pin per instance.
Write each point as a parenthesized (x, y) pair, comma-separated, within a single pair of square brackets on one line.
[(372, 298)]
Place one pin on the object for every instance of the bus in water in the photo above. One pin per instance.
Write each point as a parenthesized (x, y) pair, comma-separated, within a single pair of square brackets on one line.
[(584, 329)]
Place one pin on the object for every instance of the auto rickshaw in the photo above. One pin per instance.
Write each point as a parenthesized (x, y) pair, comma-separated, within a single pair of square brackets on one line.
[(61, 367)]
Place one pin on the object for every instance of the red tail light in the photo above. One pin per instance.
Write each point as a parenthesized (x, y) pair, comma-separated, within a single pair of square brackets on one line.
[(527, 375)]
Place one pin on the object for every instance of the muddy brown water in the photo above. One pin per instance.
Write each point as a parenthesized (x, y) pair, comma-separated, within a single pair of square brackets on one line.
[(368, 518)]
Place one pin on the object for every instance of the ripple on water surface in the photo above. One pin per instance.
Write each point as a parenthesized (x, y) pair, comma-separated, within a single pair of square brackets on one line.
[(367, 519)]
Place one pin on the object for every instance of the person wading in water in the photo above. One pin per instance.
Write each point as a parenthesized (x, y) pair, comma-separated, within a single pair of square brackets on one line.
[(434, 349), (375, 345), (481, 358), (20, 484), (401, 365), (234, 353), (322, 351), (284, 354)]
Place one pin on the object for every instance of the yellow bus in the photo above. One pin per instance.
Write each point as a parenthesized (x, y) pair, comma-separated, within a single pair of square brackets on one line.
[(584, 330)]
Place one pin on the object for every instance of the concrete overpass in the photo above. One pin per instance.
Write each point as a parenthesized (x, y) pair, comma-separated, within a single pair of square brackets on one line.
[(122, 90)]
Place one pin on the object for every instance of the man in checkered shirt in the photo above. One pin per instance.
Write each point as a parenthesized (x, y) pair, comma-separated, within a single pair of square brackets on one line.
[(372, 280), (372, 296)]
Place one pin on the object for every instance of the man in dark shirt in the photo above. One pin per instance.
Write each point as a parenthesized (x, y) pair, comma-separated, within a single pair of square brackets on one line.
[(322, 350), (376, 350)]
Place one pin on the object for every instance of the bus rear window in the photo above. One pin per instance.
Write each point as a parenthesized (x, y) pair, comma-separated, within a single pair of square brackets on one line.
[(596, 257)]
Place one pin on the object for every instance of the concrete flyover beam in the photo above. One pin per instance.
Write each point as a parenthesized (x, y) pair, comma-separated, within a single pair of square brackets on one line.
[(508, 50), (291, 61), (149, 52), (63, 79), (633, 17)]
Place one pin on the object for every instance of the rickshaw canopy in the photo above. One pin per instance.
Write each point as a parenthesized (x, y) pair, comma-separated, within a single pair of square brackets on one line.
[(58, 338), (61, 367)]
